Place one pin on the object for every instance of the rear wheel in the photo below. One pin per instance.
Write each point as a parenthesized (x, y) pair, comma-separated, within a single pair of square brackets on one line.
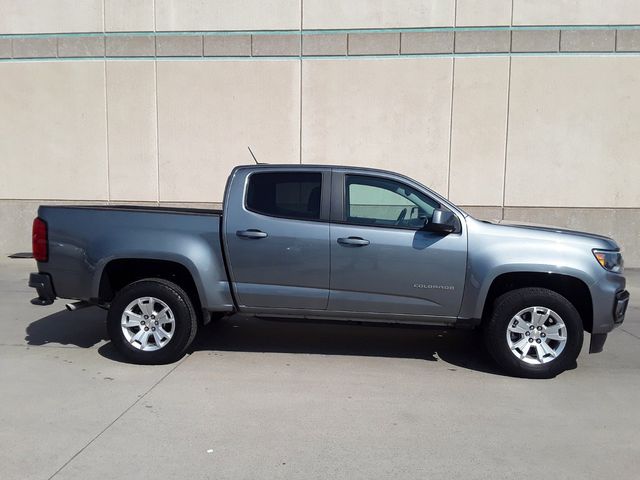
[(534, 333), (152, 321)]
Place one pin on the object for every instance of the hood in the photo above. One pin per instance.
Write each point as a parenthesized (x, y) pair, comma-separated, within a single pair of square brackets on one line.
[(549, 228)]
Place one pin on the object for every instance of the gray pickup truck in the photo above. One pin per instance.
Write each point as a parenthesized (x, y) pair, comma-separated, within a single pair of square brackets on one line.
[(318, 242)]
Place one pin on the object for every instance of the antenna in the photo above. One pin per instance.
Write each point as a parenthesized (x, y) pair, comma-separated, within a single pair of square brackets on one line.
[(254, 157)]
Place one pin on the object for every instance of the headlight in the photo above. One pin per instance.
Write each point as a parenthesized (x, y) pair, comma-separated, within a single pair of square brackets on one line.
[(609, 260)]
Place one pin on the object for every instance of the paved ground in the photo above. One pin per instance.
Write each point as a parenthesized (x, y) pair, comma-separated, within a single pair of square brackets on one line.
[(283, 400)]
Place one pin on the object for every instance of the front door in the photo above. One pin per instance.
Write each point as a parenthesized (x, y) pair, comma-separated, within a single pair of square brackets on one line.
[(381, 260), (277, 239)]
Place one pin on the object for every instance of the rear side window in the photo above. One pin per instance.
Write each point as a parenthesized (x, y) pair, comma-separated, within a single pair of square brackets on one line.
[(290, 195)]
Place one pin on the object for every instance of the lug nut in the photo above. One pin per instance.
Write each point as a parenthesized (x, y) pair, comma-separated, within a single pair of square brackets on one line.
[(531, 340), (142, 322), (526, 333), (152, 317), (538, 341), (539, 328), (153, 329), (531, 327), (146, 329), (543, 334), (146, 316)]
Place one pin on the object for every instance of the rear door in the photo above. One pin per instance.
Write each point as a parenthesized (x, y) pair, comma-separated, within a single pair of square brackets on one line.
[(381, 259), (276, 227)]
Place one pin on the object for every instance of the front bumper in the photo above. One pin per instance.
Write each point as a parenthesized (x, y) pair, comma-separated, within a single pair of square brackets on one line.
[(43, 285), (620, 305), (620, 309)]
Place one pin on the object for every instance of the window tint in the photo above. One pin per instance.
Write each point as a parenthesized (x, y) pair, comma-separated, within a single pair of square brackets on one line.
[(380, 202), (291, 195)]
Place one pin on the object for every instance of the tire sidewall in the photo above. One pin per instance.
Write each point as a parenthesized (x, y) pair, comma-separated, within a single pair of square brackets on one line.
[(182, 310), (507, 306)]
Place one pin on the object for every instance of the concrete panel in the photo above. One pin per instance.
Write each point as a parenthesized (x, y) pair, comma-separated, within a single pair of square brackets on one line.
[(588, 40), (621, 224), (573, 12), (131, 46), (82, 46), (479, 130), (483, 213), (324, 44), (50, 16), (227, 15), (131, 107), (128, 15), (275, 45), (374, 43), (179, 45), (227, 45), (535, 40), (628, 41), (483, 41), (35, 47), (483, 13), (573, 132), (390, 114), (426, 42), (209, 112), (323, 14), (53, 130), (5, 48)]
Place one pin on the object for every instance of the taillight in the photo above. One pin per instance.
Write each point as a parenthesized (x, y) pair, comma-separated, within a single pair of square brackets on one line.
[(39, 242)]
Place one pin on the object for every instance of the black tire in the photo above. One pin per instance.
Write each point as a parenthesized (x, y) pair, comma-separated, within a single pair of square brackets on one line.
[(507, 306), (185, 321)]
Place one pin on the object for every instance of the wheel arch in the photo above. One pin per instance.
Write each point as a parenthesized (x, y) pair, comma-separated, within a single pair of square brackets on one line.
[(572, 288)]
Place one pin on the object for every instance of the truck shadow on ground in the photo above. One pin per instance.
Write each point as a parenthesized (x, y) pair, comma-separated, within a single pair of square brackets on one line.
[(459, 348)]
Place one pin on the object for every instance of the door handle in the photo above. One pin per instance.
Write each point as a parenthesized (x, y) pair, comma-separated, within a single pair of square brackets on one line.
[(353, 242), (252, 233)]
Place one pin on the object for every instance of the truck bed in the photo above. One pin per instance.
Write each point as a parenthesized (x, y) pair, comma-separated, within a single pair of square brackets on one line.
[(83, 239)]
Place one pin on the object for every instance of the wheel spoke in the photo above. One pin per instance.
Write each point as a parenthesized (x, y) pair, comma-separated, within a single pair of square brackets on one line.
[(146, 306), (539, 352), (547, 349), (131, 319), (525, 350), (138, 336), (144, 341), (520, 344), (158, 338), (163, 332), (521, 327)]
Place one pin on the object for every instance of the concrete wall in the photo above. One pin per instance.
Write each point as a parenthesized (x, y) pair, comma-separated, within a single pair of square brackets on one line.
[(523, 109)]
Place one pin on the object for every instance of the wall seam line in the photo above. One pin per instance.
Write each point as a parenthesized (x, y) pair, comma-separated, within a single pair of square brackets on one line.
[(155, 91), (300, 89), (453, 86), (106, 108)]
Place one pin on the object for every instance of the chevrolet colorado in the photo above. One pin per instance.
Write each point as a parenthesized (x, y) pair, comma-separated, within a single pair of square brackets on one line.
[(331, 242)]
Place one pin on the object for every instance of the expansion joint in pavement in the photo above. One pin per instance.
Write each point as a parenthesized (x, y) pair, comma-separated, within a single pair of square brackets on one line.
[(119, 416)]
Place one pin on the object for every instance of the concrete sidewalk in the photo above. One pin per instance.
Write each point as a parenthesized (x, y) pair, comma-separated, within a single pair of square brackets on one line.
[(269, 400)]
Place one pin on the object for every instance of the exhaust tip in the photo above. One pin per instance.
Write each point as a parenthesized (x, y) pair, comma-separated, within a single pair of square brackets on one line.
[(72, 307)]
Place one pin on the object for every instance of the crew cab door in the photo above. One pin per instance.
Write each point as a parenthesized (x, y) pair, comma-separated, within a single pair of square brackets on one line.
[(381, 259), (277, 237)]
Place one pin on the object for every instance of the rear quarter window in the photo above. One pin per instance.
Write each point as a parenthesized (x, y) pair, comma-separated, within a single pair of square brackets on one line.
[(288, 195)]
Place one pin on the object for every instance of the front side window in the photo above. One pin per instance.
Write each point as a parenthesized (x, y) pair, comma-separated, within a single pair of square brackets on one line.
[(289, 195), (385, 203)]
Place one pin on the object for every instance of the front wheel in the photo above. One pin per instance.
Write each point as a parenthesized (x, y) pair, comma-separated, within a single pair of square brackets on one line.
[(152, 321), (534, 333)]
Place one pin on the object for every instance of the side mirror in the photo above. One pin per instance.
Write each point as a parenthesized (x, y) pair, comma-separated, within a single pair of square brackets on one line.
[(442, 221)]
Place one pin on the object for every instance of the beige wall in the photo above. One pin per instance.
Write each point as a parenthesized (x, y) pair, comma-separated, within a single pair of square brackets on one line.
[(533, 137)]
